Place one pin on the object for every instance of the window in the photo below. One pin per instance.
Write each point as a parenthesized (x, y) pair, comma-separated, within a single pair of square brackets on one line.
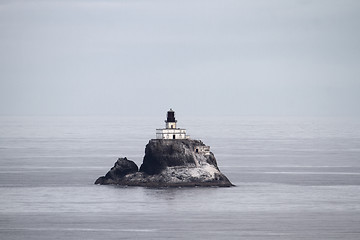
[(173, 136)]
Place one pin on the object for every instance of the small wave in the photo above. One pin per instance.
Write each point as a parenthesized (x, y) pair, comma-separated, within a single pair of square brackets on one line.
[(80, 229), (288, 166), (317, 173)]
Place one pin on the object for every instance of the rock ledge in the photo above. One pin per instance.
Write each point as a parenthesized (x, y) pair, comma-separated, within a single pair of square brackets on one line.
[(169, 163)]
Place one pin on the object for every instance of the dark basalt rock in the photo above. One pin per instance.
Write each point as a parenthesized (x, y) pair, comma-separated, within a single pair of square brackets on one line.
[(122, 167), (161, 153), (169, 163)]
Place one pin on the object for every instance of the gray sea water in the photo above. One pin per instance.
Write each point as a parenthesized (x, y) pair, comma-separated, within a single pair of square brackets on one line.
[(295, 179)]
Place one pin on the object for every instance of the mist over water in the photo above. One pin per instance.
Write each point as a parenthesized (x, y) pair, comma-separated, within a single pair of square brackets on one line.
[(296, 178), (273, 57)]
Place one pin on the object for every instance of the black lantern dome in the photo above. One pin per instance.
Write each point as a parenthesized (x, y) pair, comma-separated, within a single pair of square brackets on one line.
[(170, 116)]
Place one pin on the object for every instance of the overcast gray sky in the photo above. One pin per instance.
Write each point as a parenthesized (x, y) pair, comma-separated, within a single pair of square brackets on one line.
[(202, 57)]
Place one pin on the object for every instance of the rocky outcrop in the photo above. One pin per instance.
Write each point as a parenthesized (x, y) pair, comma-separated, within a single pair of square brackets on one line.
[(169, 163), (121, 168)]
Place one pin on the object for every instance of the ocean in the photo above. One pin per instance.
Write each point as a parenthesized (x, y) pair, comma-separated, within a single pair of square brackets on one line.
[(296, 178)]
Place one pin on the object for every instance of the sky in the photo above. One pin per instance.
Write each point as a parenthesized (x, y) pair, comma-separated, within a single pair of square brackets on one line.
[(199, 57)]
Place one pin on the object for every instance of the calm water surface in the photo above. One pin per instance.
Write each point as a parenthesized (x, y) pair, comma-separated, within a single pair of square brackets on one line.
[(295, 179)]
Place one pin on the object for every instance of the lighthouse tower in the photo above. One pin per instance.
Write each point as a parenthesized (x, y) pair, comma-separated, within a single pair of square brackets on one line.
[(170, 131), (170, 119)]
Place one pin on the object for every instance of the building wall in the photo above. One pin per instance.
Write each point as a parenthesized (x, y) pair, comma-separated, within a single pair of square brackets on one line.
[(171, 125), (203, 150), (169, 133)]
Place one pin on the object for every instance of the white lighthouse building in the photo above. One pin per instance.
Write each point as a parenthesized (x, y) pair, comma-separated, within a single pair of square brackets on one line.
[(170, 131)]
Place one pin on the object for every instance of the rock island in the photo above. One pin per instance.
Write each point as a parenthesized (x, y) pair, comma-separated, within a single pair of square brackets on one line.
[(171, 160)]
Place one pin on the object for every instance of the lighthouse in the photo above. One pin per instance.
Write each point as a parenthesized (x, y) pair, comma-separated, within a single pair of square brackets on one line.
[(171, 131)]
